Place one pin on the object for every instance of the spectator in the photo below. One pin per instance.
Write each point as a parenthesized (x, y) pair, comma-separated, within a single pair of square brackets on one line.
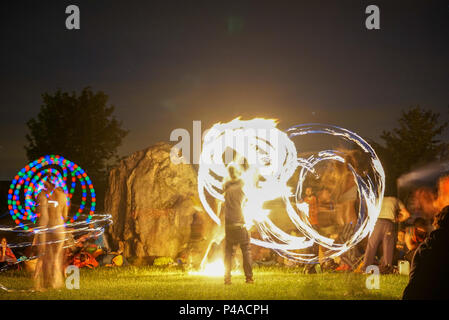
[(401, 247), (7, 257), (327, 225), (422, 203), (393, 210), (429, 278), (311, 200), (414, 236)]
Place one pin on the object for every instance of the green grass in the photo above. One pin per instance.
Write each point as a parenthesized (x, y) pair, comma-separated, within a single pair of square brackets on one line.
[(153, 283)]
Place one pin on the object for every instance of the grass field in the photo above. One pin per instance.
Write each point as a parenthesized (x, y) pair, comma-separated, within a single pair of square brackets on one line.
[(153, 283)]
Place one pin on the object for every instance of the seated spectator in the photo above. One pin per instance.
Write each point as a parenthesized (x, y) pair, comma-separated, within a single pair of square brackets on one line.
[(113, 259), (7, 257), (414, 236), (401, 247), (84, 259), (429, 278)]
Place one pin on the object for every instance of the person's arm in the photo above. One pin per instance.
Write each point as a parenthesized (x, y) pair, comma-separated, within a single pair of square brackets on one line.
[(3, 254), (42, 210), (65, 210), (10, 254), (403, 212)]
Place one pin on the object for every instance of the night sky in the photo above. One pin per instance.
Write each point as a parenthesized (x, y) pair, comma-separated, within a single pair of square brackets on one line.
[(164, 64)]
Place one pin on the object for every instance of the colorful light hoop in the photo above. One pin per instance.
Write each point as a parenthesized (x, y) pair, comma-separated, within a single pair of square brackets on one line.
[(34, 188), (30, 179)]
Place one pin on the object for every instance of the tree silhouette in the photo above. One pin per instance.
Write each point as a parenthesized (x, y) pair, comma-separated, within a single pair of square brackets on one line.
[(414, 142), (81, 128)]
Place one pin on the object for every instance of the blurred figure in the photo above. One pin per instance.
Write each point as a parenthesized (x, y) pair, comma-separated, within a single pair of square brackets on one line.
[(401, 247), (347, 201), (327, 225), (52, 212), (429, 278), (414, 236), (348, 194), (443, 194), (7, 257), (423, 203), (393, 210), (326, 210), (311, 200), (235, 231)]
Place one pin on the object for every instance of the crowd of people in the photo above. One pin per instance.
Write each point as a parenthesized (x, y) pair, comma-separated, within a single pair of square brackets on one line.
[(398, 232), (413, 230)]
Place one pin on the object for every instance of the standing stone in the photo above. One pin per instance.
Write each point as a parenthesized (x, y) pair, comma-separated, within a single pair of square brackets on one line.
[(152, 203)]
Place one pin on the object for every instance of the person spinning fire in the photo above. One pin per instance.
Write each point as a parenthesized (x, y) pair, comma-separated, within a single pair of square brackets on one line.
[(235, 231)]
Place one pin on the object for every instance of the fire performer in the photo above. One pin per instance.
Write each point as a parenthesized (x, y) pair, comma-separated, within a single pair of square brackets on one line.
[(235, 231), (52, 210)]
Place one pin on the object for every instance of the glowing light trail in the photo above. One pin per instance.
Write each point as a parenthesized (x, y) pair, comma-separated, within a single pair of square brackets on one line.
[(27, 185), (268, 159)]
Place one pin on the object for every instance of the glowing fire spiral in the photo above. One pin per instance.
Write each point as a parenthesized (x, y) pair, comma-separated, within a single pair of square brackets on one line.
[(268, 159)]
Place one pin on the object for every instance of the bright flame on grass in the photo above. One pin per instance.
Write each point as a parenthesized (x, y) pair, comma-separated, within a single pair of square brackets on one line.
[(213, 269), (267, 159)]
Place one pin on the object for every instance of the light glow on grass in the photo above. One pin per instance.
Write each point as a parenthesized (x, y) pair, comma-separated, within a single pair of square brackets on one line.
[(214, 269)]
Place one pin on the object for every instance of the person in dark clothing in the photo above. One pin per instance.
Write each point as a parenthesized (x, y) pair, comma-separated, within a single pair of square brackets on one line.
[(429, 278), (235, 231)]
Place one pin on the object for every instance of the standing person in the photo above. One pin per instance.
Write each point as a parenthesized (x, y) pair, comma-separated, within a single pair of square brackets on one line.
[(52, 212), (235, 231), (392, 211), (311, 200), (429, 278), (327, 222)]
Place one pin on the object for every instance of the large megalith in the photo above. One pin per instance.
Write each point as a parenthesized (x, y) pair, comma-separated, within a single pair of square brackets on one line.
[(153, 203)]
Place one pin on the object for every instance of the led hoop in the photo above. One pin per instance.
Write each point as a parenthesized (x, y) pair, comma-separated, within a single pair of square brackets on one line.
[(29, 181)]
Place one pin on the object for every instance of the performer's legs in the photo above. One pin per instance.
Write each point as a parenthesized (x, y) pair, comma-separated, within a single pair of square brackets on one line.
[(58, 259), (229, 257), (39, 272), (247, 261), (57, 279)]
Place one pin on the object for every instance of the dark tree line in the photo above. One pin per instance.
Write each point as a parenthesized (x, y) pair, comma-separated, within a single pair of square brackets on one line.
[(414, 142), (81, 128)]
